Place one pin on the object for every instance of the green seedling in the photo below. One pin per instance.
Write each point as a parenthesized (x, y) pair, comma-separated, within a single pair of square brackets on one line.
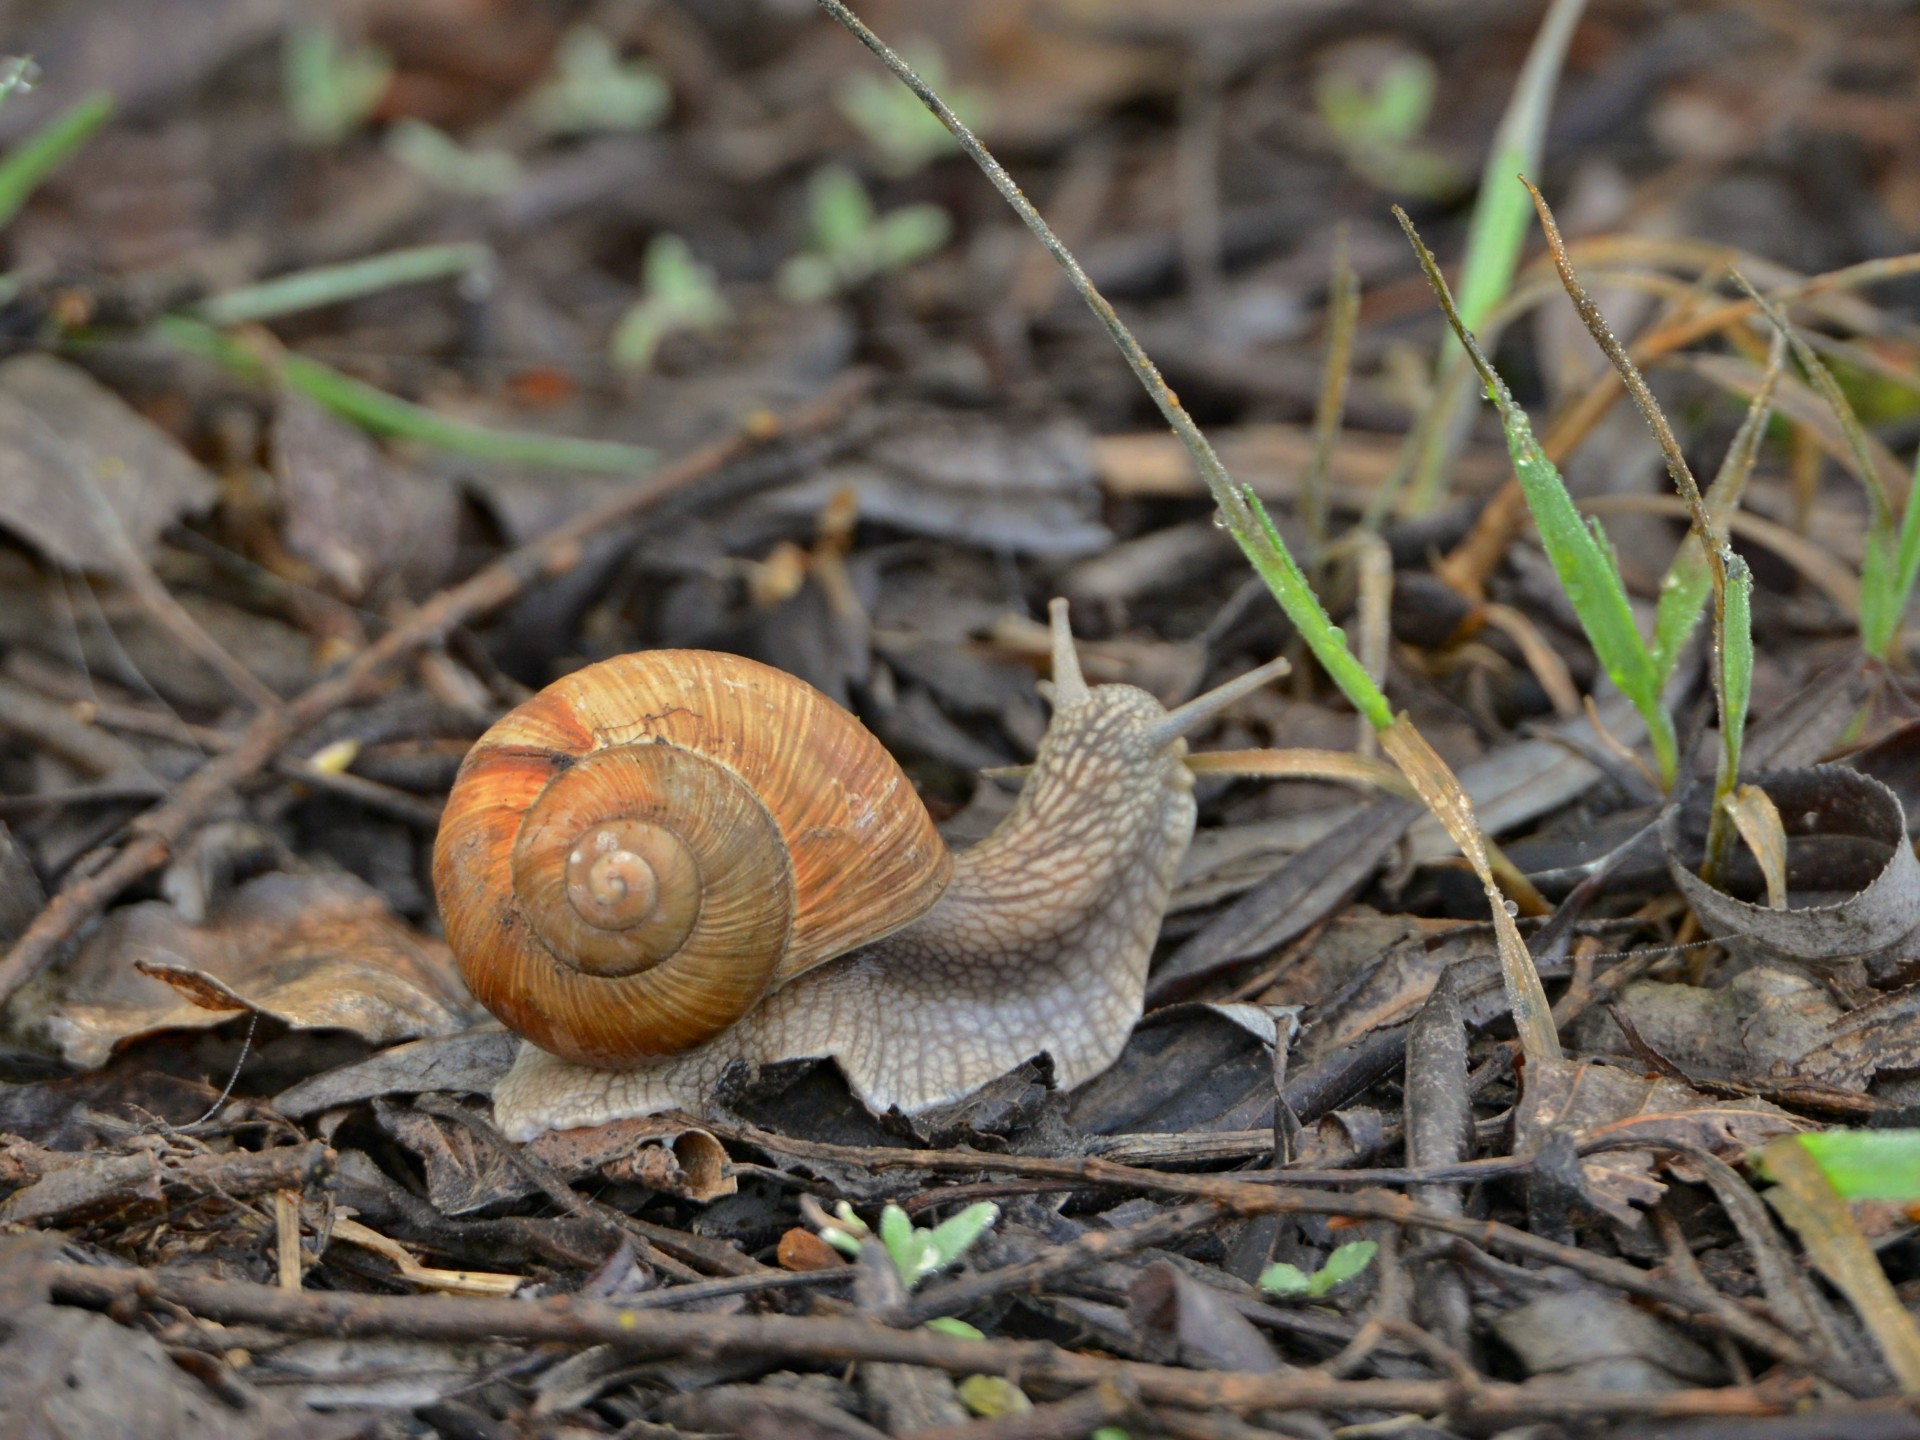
[(1377, 120), (48, 148), (1578, 549), (1892, 558), (438, 157), (1689, 579), (678, 293), (853, 242), (593, 90), (1342, 1265), (1890, 608), (915, 1253), (898, 127), (1727, 576), (331, 87)]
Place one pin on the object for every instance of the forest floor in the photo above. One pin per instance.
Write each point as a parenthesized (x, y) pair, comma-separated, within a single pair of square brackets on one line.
[(371, 365)]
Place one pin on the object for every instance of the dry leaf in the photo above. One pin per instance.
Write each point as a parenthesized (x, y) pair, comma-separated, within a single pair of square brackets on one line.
[(367, 524), (314, 952), (1846, 833), (1604, 1102), (85, 479)]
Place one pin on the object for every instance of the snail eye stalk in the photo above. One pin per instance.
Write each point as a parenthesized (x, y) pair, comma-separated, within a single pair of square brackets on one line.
[(1069, 685), (1202, 708)]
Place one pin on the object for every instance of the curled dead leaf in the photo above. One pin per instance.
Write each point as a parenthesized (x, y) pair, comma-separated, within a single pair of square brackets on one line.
[(1849, 866)]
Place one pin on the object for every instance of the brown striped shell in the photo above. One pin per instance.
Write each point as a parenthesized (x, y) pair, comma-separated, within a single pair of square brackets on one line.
[(630, 860)]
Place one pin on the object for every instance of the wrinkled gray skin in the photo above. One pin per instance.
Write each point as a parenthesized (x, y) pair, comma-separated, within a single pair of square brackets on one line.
[(1039, 944)]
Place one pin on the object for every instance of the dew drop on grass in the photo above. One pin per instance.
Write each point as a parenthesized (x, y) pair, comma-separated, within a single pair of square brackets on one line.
[(1513, 907)]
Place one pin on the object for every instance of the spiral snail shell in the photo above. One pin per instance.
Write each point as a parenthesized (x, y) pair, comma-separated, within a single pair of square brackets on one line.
[(634, 857), (673, 861)]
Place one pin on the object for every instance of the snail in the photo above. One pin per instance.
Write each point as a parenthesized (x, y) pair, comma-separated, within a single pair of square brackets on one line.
[(673, 861)]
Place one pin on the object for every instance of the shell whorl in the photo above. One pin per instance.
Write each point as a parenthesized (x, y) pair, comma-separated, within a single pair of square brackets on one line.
[(634, 857)]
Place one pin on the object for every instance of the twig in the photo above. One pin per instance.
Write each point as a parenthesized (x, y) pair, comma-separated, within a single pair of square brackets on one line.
[(75, 1185), (1241, 1196), (158, 833), (783, 1338)]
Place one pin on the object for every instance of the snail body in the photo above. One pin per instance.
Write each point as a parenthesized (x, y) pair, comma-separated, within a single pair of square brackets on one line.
[(675, 861)]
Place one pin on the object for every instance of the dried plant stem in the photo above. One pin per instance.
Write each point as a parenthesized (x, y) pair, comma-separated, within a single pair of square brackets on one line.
[(777, 1339), (1636, 385), (1343, 310), (1225, 494)]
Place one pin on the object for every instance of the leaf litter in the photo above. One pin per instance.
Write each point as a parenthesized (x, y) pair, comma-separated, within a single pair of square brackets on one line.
[(251, 1093)]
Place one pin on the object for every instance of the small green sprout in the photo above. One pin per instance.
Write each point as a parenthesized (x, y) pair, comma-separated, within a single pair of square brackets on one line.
[(678, 293), (438, 157), (593, 89), (1343, 1264), (916, 1254), (852, 242), (330, 86), (48, 148), (1376, 120), (904, 133), (1578, 548)]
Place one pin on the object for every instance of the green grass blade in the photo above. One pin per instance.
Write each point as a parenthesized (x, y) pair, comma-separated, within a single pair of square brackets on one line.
[(1683, 599), (48, 148), (1736, 670), (1907, 562), (383, 414), (1275, 564), (1886, 580), (1495, 236), (1501, 214), (1576, 547), (331, 284)]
